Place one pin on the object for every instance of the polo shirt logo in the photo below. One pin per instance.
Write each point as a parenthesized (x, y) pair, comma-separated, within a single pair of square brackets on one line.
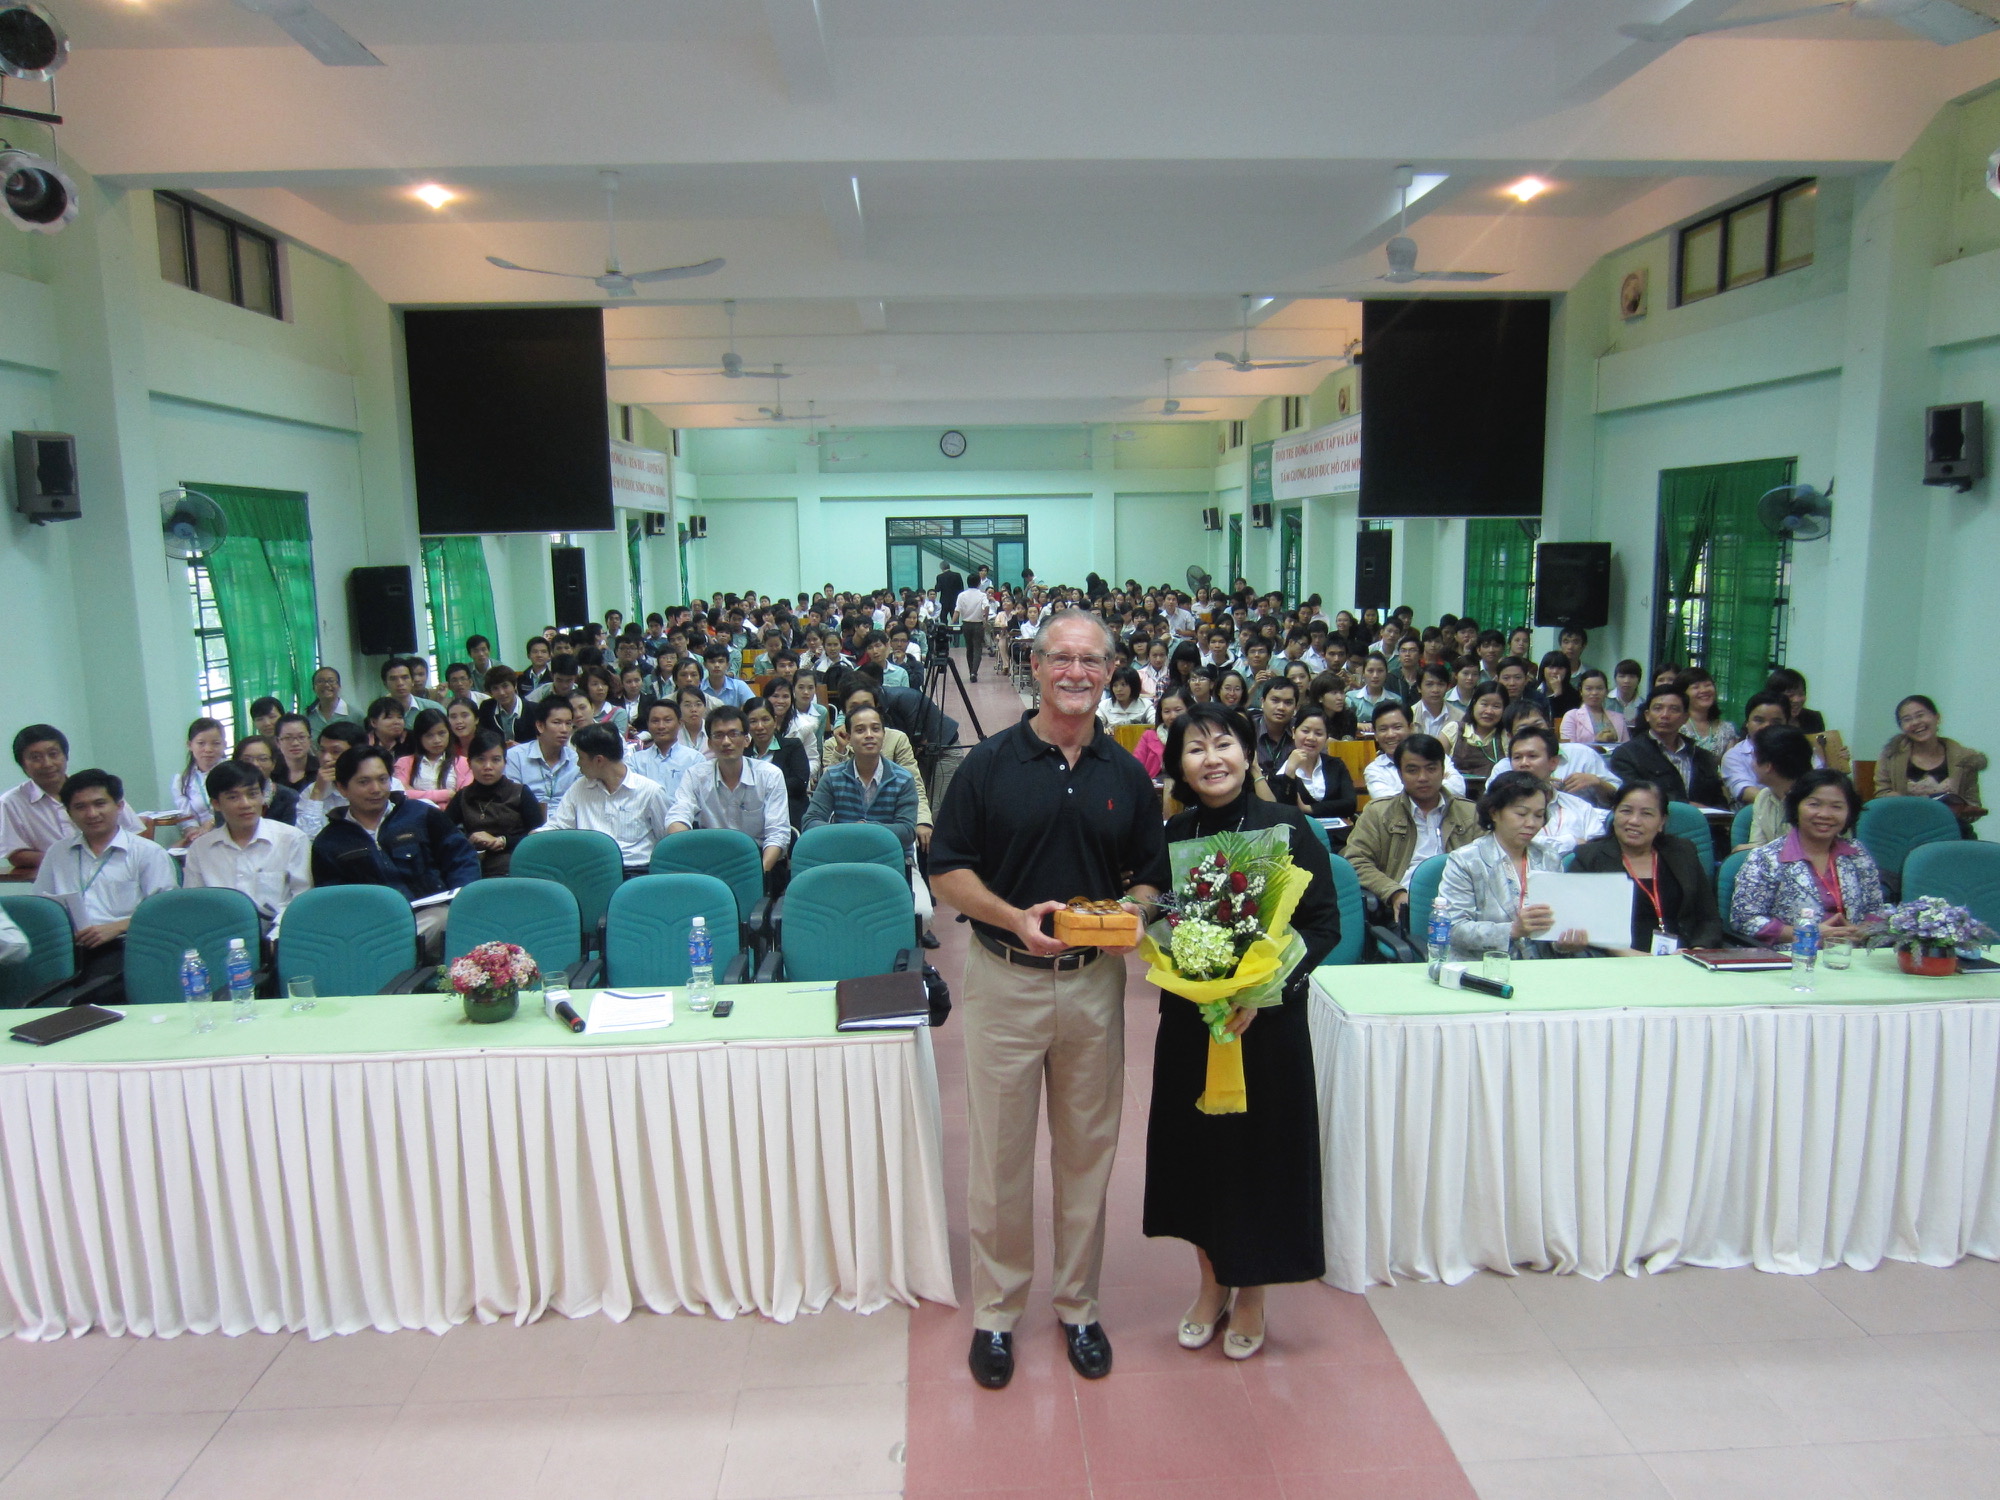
[(1109, 805)]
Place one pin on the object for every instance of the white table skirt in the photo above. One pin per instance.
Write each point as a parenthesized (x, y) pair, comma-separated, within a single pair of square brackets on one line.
[(417, 1191), (1786, 1139)]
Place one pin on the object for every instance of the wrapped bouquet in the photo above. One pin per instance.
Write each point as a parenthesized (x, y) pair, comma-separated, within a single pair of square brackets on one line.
[(1226, 941)]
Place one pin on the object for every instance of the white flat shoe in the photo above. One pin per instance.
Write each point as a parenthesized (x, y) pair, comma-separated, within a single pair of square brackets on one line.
[(1195, 1335), (1241, 1345)]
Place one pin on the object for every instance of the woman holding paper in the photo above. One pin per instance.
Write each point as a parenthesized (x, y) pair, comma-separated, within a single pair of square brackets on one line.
[(1673, 906), (1484, 891)]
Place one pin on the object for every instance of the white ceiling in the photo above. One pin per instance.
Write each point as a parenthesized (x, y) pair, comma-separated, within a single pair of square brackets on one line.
[(972, 211)]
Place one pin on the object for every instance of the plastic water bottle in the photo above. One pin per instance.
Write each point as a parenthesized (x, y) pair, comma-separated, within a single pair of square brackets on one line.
[(1438, 944), (194, 990), (242, 992), (1805, 950), (701, 968)]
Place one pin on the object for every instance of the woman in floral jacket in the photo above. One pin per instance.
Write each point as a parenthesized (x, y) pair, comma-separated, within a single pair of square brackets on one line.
[(1815, 867)]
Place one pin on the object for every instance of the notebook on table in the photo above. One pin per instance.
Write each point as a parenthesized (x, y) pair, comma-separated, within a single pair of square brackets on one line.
[(60, 1025), (881, 1002), (1737, 960)]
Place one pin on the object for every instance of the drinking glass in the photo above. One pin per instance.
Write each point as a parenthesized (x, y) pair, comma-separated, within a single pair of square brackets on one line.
[(1494, 966), (1836, 953), (303, 992), (201, 1012)]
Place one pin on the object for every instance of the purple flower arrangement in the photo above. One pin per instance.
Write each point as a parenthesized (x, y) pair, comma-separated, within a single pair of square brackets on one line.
[(1933, 926)]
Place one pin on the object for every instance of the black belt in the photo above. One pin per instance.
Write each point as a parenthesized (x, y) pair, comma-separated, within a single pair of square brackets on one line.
[(1075, 958)]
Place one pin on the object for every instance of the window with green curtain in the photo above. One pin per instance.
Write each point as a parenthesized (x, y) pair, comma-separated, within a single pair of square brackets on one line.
[(461, 595), (1719, 575), (1500, 572), (262, 578)]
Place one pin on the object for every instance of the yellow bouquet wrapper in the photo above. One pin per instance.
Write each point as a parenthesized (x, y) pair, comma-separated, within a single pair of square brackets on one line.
[(1258, 981)]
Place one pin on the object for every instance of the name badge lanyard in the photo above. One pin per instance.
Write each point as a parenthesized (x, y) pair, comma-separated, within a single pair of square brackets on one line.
[(1652, 891), (1831, 897), (85, 884)]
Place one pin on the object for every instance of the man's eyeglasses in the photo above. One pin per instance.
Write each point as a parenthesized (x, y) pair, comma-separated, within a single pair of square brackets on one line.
[(1064, 661)]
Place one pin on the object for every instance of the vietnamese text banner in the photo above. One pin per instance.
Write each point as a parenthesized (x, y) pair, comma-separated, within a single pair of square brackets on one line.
[(1325, 461)]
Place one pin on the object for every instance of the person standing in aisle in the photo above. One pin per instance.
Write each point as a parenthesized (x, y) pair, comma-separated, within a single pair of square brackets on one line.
[(972, 611), (1044, 812)]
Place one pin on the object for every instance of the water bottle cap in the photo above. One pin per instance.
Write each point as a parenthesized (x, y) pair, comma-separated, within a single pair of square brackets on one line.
[(701, 922)]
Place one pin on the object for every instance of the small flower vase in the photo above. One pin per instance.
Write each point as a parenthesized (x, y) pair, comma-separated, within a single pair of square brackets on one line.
[(483, 1007), (1930, 962)]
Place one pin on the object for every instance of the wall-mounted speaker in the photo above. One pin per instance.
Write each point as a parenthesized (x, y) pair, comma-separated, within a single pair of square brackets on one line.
[(1260, 515), (697, 527), (1954, 444), (1573, 584), (45, 483), (656, 523), (1211, 519), (379, 610), (1373, 552), (572, 605)]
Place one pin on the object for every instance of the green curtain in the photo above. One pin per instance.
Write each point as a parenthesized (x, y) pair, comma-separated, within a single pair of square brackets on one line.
[(1499, 572), (263, 582), (1718, 574), (461, 595)]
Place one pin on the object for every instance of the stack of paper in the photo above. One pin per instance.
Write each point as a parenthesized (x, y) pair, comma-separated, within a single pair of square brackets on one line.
[(629, 1010)]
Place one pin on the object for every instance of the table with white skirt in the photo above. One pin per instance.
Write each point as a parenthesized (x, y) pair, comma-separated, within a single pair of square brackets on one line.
[(1628, 1114), (383, 1163)]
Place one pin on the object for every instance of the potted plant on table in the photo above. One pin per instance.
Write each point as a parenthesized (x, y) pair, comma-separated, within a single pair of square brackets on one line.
[(1928, 932), (489, 978)]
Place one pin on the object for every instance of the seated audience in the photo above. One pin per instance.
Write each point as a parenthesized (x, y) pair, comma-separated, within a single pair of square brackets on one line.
[(1791, 686), (462, 718), (101, 870), (1553, 690), (1920, 762), (1625, 697), (503, 712), (1477, 741), (431, 770), (610, 799), (267, 860), (794, 723), (400, 681), (1739, 775), (260, 751), (1780, 755), (546, 765), (732, 792), (296, 761), (493, 812), (1125, 700), (205, 752), (1273, 742), (264, 716), (599, 689), (1150, 751), (382, 837), (1232, 690), (1395, 834), (866, 787), (788, 755), (33, 819), (1383, 775), (720, 687), (1569, 820), (664, 759), (387, 726), (1705, 725), (1593, 723), (1814, 868), (1484, 892), (328, 707), (1665, 755), (321, 796), (1431, 713), (1374, 690), (1517, 675), (1672, 899), (896, 746), (693, 704), (1309, 779)]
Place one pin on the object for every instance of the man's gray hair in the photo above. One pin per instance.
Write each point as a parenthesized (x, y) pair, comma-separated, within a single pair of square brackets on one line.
[(1072, 617)]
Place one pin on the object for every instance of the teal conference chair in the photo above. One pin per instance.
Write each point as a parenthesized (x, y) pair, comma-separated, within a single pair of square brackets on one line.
[(168, 923), (351, 940), (1725, 882), (848, 844), (731, 857), (1964, 873), (1685, 820), (538, 915), (584, 860), (43, 977), (646, 931), (844, 922), (1891, 827), (1739, 826), (1353, 921), (1424, 882)]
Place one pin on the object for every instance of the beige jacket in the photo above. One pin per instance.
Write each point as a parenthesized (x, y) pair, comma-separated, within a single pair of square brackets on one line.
[(1385, 836)]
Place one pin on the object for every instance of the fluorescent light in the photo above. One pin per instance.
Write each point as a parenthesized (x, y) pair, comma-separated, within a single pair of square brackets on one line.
[(434, 194), (1527, 189)]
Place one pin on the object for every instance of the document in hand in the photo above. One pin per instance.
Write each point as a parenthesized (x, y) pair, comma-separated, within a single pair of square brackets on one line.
[(1600, 905), (629, 1010)]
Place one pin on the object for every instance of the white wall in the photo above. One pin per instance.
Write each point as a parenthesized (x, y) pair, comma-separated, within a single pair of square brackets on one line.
[(1160, 537)]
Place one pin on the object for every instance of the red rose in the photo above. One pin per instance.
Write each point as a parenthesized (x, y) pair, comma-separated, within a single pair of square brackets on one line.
[(1222, 912), (1249, 907), (1201, 888), (1238, 881)]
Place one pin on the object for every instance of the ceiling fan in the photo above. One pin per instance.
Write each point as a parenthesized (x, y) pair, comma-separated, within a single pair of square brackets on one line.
[(776, 412), (1402, 250), (1172, 408), (616, 281), (731, 367), (315, 31), (1243, 364)]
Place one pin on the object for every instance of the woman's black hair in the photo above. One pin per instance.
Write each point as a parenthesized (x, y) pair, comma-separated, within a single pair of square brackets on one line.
[(1637, 784), (199, 726), (1486, 688), (1812, 782), (1784, 679), (277, 755), (1222, 682), (1130, 677), (1554, 659), (1214, 716), (1505, 790), (484, 741), (1922, 701), (1187, 655), (1586, 674), (1784, 748), (427, 719), (265, 705)]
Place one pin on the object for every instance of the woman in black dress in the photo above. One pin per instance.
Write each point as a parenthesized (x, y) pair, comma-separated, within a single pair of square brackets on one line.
[(1244, 1189), (493, 811)]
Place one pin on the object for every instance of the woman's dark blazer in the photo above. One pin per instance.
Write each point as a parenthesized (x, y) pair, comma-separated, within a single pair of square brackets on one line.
[(1340, 796), (1698, 923)]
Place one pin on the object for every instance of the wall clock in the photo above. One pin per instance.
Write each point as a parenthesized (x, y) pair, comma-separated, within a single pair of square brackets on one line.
[(952, 444)]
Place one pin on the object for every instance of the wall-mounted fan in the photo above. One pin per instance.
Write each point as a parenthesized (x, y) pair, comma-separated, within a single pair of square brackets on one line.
[(616, 281), (1797, 511), (1198, 578), (192, 524)]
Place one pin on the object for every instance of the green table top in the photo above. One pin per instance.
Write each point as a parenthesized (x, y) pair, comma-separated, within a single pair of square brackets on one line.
[(1546, 986), (364, 1024)]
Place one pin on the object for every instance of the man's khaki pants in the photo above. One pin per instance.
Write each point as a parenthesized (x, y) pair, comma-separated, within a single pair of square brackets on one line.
[(1025, 1027)]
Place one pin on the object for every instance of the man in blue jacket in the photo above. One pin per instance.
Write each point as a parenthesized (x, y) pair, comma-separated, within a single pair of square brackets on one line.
[(384, 838)]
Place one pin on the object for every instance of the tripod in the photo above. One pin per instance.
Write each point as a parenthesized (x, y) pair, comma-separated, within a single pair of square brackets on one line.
[(941, 670)]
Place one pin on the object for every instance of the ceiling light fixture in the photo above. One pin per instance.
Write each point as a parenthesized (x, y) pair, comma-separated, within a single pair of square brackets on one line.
[(1526, 190), (435, 195)]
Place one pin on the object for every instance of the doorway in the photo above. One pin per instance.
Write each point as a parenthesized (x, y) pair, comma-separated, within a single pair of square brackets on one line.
[(920, 547)]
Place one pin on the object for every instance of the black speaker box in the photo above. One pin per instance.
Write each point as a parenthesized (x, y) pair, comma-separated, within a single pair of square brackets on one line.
[(572, 606), (380, 611), (656, 523), (1954, 444), (1260, 516), (1373, 552), (1573, 584), (1211, 519), (45, 485)]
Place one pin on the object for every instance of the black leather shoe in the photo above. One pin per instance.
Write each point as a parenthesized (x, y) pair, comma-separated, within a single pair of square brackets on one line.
[(992, 1358), (929, 939), (1089, 1349)]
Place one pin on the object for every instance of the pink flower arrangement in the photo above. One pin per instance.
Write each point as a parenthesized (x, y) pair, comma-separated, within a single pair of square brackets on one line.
[(491, 968)]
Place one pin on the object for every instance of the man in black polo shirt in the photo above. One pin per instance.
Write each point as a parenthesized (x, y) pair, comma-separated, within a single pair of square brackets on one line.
[(1049, 810)]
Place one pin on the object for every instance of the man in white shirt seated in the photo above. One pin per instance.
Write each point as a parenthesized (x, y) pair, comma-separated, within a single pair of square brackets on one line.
[(268, 861), (1381, 778), (1571, 820), (1580, 770), (610, 798), (1739, 766), (32, 819), (732, 792), (718, 685), (102, 871), (666, 757), (546, 765)]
